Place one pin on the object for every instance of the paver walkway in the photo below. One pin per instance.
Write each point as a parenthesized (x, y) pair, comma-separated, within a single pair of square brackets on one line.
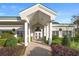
[(38, 48)]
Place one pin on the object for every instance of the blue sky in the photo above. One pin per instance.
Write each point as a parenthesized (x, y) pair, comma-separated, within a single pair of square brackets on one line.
[(64, 11)]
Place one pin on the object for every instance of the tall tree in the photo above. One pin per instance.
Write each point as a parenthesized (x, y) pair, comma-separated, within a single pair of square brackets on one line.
[(76, 22)]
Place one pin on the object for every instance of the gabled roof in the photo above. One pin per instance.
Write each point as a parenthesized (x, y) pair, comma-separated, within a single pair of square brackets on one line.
[(41, 6), (38, 7)]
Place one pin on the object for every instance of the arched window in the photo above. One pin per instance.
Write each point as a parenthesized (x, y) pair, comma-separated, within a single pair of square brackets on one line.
[(60, 29)]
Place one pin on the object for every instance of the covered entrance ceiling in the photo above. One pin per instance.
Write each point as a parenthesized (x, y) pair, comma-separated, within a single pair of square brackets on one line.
[(38, 16), (38, 19)]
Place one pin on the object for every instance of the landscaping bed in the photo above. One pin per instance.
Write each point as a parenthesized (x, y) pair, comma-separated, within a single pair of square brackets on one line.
[(59, 50), (12, 51)]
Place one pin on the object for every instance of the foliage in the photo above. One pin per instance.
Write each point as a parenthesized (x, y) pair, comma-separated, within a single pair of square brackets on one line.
[(56, 40), (44, 39), (66, 41), (2, 42), (76, 39), (10, 32), (11, 42), (74, 44), (76, 21), (20, 39), (5, 35), (59, 50), (31, 39)]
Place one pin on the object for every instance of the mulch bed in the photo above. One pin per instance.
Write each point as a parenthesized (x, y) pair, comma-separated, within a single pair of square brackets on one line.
[(12, 51), (59, 50)]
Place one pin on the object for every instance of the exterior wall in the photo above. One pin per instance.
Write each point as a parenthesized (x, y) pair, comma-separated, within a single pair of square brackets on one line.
[(56, 28), (64, 27), (10, 18), (10, 27)]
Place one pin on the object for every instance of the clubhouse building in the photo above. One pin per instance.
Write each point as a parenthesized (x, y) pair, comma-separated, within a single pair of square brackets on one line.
[(36, 22)]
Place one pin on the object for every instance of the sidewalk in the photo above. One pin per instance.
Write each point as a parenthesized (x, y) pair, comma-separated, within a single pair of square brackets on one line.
[(37, 48)]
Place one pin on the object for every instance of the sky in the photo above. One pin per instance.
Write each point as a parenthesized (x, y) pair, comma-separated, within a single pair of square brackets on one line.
[(64, 11)]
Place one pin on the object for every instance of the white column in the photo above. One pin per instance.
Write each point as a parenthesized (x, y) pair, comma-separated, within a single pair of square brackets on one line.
[(25, 34), (50, 33), (29, 34), (47, 32), (37, 35), (41, 33), (15, 35), (60, 34), (44, 30)]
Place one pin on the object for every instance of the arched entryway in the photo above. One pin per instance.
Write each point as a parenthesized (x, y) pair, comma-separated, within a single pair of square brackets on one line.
[(38, 20)]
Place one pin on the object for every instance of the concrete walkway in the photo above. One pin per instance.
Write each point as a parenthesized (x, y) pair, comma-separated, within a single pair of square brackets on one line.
[(38, 48)]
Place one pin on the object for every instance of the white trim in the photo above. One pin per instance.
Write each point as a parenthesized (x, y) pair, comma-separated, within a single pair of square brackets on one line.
[(37, 7), (9, 20)]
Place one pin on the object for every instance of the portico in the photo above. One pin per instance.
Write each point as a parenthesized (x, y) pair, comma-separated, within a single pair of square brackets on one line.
[(37, 20)]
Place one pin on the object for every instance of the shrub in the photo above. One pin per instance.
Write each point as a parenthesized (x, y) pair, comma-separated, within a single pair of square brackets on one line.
[(56, 40), (20, 39), (11, 42), (2, 42), (74, 45), (76, 39), (6, 35), (59, 50), (66, 41), (44, 39), (30, 39)]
